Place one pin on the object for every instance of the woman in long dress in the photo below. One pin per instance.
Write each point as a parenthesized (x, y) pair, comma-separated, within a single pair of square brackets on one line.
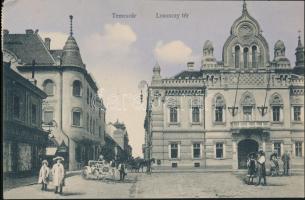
[(58, 172)]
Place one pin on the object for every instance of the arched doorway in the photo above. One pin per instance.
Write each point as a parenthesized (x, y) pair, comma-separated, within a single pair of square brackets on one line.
[(244, 148)]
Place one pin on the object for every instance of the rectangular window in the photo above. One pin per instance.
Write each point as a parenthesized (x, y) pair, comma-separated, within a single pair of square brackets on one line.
[(297, 113), (247, 113), (276, 113), (88, 126), (93, 127), (218, 114), (16, 107), (90, 99), (298, 149), (173, 114), (47, 116), (88, 96), (174, 150), (219, 150), (277, 148), (34, 114), (195, 114), (196, 164), (76, 118), (174, 165), (196, 150)]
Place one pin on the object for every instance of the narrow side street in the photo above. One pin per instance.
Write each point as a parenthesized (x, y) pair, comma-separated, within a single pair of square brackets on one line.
[(165, 185)]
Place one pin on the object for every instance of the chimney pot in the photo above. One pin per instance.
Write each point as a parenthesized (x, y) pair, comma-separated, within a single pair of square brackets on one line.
[(5, 31), (47, 42), (190, 66), (29, 31)]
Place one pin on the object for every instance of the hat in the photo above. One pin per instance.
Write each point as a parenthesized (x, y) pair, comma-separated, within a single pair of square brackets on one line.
[(261, 151), (45, 161), (58, 158)]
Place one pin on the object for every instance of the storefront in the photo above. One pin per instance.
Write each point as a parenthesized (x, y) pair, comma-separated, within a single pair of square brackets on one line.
[(23, 149)]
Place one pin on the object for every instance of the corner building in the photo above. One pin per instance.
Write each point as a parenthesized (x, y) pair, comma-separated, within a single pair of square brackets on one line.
[(72, 106), (214, 117)]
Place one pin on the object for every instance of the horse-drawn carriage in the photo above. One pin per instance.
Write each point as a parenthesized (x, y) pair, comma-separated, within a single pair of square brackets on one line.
[(99, 170)]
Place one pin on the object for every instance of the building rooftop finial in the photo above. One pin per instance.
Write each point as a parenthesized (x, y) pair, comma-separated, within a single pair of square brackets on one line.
[(71, 25), (299, 39), (244, 6)]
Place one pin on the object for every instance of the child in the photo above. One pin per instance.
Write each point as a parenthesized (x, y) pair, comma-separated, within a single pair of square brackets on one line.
[(251, 164), (44, 175)]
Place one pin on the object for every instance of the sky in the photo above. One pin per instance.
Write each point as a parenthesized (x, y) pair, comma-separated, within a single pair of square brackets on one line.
[(120, 52)]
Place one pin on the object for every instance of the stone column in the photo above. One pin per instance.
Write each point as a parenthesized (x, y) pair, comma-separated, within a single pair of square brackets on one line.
[(234, 154)]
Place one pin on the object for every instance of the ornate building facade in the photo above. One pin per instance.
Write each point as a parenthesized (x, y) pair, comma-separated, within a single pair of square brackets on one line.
[(214, 117), (72, 108)]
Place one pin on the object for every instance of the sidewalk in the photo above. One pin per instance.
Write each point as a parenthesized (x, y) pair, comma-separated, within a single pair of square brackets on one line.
[(10, 183)]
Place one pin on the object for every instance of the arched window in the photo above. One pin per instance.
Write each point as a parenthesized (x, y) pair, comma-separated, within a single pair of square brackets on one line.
[(237, 52), (219, 106), (247, 104), (254, 54), (246, 54), (77, 86), (276, 104), (48, 87)]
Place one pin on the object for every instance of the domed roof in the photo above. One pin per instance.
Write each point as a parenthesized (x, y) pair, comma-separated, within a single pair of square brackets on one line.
[(71, 55), (279, 45), (208, 45)]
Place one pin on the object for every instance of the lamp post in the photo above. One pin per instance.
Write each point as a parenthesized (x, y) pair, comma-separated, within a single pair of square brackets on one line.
[(49, 124), (142, 84)]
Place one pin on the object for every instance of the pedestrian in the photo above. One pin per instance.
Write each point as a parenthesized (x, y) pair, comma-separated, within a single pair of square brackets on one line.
[(58, 172), (286, 159), (44, 175), (274, 164), (251, 164), (261, 167), (101, 158), (122, 171)]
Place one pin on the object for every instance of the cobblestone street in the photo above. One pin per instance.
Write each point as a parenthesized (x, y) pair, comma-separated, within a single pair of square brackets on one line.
[(164, 185)]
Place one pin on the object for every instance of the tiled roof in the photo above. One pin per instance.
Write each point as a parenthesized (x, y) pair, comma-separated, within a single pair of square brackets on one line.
[(188, 74), (56, 53), (28, 47), (71, 55)]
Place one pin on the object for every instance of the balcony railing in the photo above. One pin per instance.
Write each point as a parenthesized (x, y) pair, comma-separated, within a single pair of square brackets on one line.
[(250, 124)]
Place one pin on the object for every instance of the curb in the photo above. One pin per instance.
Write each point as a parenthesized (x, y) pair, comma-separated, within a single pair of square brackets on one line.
[(68, 174)]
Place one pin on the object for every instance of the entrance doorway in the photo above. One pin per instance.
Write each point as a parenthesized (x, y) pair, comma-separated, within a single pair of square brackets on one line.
[(244, 148)]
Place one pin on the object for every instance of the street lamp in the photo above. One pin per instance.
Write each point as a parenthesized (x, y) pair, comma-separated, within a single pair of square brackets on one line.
[(49, 124)]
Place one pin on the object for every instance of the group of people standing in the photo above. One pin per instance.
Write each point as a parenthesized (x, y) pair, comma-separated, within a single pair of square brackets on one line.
[(58, 175), (120, 166), (256, 166)]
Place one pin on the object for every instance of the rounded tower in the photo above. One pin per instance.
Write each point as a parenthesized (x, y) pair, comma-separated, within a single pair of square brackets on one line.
[(71, 54)]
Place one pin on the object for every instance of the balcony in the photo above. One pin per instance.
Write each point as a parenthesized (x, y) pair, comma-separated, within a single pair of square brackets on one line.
[(250, 125)]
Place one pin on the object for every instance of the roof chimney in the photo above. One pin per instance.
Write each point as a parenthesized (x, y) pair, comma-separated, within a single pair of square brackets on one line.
[(5, 31), (190, 66), (29, 31), (47, 42)]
